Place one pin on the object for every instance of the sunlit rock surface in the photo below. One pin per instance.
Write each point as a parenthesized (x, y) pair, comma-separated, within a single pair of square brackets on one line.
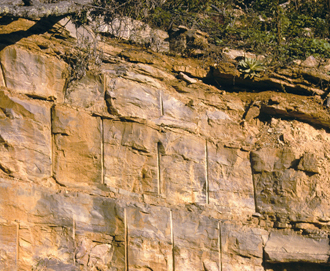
[(131, 168)]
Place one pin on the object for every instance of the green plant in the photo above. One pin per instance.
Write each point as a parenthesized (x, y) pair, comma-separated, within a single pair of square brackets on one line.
[(250, 67), (280, 30)]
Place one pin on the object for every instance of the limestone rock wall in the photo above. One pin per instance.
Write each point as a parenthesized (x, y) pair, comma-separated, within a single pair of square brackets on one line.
[(130, 169)]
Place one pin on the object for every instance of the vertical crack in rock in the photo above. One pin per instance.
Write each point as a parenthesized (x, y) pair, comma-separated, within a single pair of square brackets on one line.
[(219, 246), (52, 138), (74, 238), (206, 174), (3, 74), (172, 241), (161, 104), (254, 185), (17, 244), (264, 253), (102, 150), (126, 240), (158, 169)]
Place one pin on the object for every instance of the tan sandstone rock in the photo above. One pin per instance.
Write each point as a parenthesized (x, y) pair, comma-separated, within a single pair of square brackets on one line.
[(77, 147), (25, 137), (2, 80), (136, 169), (309, 163), (289, 248), (33, 74), (88, 93)]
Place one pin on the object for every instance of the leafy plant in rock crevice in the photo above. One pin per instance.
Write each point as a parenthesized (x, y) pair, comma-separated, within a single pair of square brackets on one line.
[(250, 67)]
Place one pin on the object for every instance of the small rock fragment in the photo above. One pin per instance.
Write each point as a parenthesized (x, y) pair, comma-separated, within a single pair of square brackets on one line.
[(309, 163), (210, 265), (187, 78), (310, 62), (286, 137), (327, 102), (252, 113)]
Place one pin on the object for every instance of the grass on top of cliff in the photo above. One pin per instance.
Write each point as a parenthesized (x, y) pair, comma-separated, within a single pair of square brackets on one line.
[(283, 30)]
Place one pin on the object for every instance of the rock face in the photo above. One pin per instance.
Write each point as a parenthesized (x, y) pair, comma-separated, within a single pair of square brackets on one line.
[(136, 31), (33, 74), (25, 137), (184, 40), (130, 168), (288, 248)]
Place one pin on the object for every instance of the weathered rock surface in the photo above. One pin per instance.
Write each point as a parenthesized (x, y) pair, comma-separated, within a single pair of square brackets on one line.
[(33, 74), (136, 31), (25, 137), (129, 98), (288, 248), (130, 155), (76, 146), (88, 93), (184, 40), (130, 167), (2, 80), (297, 80)]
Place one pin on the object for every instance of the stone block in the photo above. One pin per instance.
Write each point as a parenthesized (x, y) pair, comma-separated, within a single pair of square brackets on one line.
[(153, 72), (309, 162), (218, 125), (244, 241), (272, 159), (291, 192), (192, 229), (188, 259), (242, 247), (88, 92), (284, 248), (53, 247), (177, 110), (230, 180), (8, 239), (39, 205), (25, 137), (46, 220), (130, 156), (183, 169), (149, 222), (149, 237), (33, 73), (99, 251), (132, 99), (77, 147), (148, 254)]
